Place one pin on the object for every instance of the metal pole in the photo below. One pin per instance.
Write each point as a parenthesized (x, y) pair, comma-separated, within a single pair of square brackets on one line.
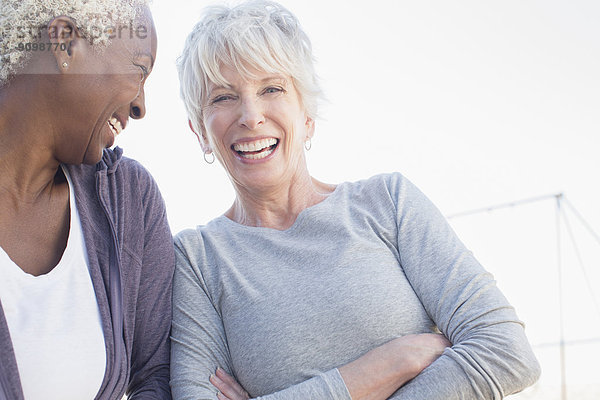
[(563, 378)]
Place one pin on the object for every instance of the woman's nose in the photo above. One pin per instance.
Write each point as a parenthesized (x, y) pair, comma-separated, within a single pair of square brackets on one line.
[(137, 108), (251, 114)]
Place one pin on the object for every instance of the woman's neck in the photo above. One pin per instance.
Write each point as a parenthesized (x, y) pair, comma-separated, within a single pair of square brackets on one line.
[(277, 207), (27, 167)]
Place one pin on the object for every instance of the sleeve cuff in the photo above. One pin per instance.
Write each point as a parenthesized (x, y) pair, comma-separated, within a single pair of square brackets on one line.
[(336, 385)]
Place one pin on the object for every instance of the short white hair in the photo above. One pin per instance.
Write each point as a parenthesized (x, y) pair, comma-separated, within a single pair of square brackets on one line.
[(256, 35), (21, 22)]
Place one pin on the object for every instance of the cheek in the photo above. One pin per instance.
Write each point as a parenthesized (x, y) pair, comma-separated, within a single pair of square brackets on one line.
[(216, 125), (132, 85), (297, 131)]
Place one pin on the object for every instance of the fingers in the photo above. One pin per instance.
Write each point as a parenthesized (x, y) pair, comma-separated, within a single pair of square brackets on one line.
[(226, 392), (229, 388), (225, 377), (221, 396)]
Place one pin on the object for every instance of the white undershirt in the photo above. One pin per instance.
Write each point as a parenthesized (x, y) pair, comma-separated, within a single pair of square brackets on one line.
[(54, 323)]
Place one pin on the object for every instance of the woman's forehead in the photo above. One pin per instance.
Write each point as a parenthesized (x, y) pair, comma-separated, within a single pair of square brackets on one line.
[(138, 36), (230, 76)]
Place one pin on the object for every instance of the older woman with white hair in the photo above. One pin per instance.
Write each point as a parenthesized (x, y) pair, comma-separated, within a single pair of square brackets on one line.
[(306, 290), (86, 254)]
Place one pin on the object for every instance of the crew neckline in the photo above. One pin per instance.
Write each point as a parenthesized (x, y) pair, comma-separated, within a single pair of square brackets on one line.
[(298, 222)]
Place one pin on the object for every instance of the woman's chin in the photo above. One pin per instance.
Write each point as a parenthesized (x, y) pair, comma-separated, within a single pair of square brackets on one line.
[(258, 181)]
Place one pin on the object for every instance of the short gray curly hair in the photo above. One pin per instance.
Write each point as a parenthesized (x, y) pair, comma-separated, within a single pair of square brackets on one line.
[(260, 35), (21, 21)]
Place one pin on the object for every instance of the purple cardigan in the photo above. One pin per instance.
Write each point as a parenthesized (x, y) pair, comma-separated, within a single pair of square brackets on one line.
[(131, 262)]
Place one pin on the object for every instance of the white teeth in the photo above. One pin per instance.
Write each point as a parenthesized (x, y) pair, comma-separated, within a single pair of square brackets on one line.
[(115, 125), (112, 128), (257, 156), (257, 145)]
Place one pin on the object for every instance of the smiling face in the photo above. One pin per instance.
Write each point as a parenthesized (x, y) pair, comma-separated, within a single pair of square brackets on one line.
[(257, 128), (103, 88)]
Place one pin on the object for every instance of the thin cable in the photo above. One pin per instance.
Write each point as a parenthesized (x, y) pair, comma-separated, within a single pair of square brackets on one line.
[(503, 205), (563, 378), (583, 221), (580, 259)]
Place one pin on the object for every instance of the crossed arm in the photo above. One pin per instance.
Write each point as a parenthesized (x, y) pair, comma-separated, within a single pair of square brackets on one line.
[(374, 376)]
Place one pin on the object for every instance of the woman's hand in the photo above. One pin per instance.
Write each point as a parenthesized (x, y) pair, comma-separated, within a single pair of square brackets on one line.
[(381, 371), (228, 387)]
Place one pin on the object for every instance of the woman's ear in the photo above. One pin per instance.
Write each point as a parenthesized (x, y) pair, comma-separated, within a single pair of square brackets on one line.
[(310, 127), (67, 45), (201, 138)]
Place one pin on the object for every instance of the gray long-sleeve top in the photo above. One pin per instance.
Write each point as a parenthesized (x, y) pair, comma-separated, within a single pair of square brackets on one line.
[(281, 310)]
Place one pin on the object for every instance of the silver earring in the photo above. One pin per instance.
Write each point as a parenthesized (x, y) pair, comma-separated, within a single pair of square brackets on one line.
[(209, 160), (308, 144), (65, 65)]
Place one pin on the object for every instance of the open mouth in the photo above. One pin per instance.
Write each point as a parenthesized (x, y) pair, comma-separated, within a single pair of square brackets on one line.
[(257, 149), (115, 125)]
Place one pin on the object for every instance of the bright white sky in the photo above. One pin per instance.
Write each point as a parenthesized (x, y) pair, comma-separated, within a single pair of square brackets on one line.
[(478, 102)]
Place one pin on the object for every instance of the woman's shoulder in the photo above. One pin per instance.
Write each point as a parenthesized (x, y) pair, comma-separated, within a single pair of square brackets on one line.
[(379, 180), (190, 241), (121, 182), (114, 161), (193, 250), (384, 192), (114, 165), (384, 184), (196, 236), (188, 237)]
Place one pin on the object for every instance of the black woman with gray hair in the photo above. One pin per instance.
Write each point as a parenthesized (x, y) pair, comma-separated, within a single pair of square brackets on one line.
[(306, 290), (86, 254)]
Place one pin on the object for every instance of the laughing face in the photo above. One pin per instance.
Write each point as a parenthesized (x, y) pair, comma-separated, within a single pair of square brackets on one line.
[(102, 89), (257, 128)]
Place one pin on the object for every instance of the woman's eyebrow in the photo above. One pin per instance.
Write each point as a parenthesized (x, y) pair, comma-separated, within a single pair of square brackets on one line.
[(214, 87), (273, 78), (226, 86)]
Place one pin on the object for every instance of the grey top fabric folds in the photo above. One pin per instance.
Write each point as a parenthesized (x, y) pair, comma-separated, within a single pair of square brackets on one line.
[(281, 310)]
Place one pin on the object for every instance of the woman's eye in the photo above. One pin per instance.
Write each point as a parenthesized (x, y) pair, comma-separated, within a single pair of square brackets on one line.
[(145, 71), (273, 89), (221, 98)]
